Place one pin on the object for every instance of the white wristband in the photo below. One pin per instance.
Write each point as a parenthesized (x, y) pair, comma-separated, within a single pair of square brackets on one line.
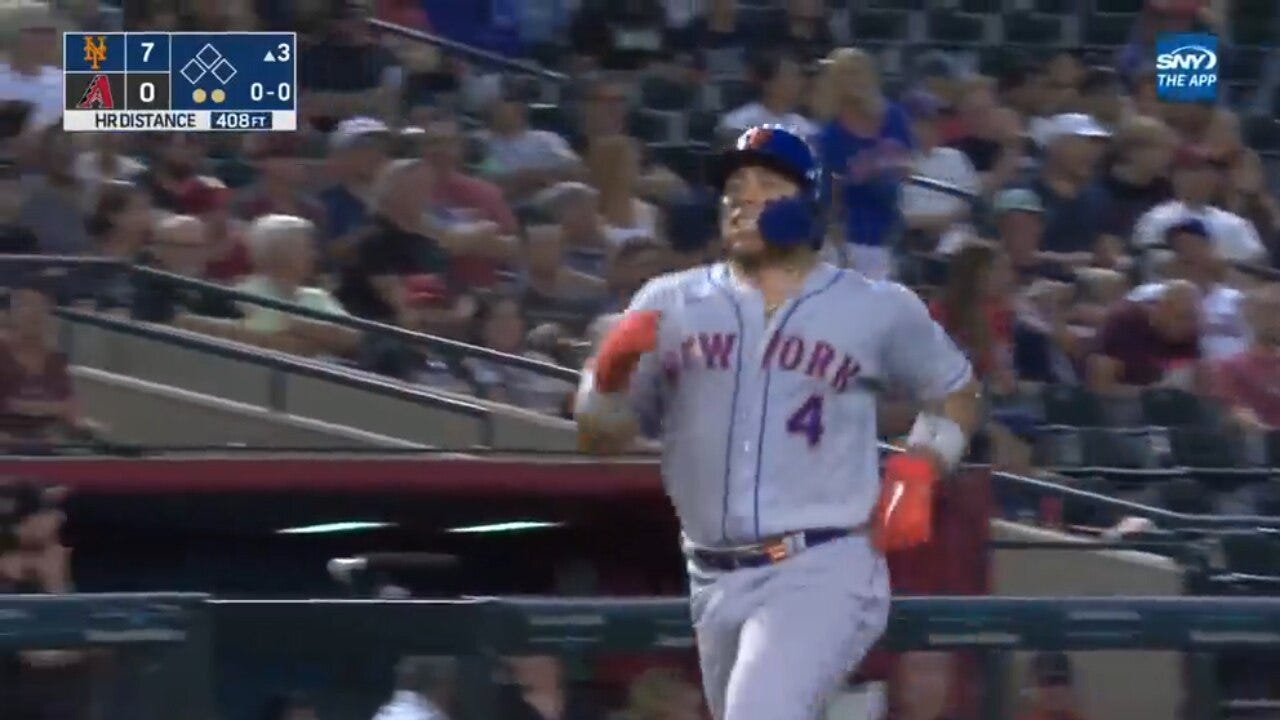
[(940, 434), (600, 409)]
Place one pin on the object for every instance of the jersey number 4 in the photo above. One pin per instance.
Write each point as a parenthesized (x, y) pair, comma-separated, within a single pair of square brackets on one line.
[(807, 420)]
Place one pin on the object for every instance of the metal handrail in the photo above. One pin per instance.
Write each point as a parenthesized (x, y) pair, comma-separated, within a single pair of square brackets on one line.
[(468, 51), (281, 362)]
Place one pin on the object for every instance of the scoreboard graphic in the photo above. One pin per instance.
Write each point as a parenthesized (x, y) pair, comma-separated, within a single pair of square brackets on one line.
[(181, 82)]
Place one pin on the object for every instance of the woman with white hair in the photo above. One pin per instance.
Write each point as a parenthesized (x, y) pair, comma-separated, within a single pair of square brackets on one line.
[(282, 252)]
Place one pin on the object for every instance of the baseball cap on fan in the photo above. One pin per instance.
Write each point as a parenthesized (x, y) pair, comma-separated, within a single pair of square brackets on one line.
[(1074, 125), (353, 131)]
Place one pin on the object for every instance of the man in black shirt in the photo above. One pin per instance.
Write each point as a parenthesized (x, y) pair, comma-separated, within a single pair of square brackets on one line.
[(373, 284), (1138, 176)]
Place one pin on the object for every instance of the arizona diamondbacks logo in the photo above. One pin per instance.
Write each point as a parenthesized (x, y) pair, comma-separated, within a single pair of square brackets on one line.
[(97, 96)]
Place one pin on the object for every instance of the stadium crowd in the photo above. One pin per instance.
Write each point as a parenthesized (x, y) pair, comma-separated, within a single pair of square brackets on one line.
[(1108, 260)]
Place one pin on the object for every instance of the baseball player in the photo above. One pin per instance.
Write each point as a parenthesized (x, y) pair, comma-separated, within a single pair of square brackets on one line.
[(757, 375)]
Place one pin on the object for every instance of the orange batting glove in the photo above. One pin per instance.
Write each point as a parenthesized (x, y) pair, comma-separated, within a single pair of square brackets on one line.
[(635, 334), (903, 517)]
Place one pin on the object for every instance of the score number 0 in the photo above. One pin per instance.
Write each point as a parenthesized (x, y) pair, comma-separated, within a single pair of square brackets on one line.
[(146, 90), (283, 92)]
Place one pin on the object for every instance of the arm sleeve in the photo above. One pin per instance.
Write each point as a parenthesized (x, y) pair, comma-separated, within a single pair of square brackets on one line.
[(646, 383), (920, 355)]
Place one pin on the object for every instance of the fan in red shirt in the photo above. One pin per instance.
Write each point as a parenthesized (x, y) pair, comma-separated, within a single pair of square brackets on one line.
[(974, 309), (1148, 342), (210, 200), (1249, 382)]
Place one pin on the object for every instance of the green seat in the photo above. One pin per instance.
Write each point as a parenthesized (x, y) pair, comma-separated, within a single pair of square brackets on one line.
[(1252, 554), (1071, 405), (1169, 407), (1114, 448), (1060, 447), (1201, 448)]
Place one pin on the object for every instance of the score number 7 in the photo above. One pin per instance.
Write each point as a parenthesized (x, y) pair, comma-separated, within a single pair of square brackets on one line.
[(147, 47), (807, 420)]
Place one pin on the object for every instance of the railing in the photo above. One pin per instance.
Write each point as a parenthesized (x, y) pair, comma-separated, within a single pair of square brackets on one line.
[(242, 642), (282, 365)]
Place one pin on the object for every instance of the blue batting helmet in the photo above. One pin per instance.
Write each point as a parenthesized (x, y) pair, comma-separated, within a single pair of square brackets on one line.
[(784, 222)]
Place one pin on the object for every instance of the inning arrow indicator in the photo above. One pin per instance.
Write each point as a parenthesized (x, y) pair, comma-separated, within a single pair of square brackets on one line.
[(269, 57)]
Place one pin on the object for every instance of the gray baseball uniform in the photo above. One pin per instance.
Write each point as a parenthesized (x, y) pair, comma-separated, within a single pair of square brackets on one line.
[(768, 428)]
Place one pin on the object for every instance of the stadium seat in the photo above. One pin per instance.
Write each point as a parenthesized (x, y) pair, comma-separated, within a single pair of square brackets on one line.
[(1252, 553), (982, 7), (543, 116), (883, 25), (702, 126), (958, 28), (684, 160), (1122, 411), (660, 94), (1126, 7), (1107, 30), (893, 4), (1060, 447), (648, 127), (1116, 448), (1170, 407), (1055, 7), (1262, 132), (734, 93), (1203, 448), (1071, 405), (1028, 29)]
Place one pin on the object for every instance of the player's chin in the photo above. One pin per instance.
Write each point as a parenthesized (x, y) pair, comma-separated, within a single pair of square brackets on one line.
[(745, 246)]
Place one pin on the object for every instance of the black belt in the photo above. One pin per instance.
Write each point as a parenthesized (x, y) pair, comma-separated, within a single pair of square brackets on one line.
[(768, 552)]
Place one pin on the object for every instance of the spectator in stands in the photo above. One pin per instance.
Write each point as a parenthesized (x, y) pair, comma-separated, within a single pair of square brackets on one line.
[(1063, 74), (539, 692), (574, 206), (522, 160), (54, 209), (120, 221), (424, 689), (929, 214), (864, 150), (720, 45), (500, 324), (37, 400), (1247, 195), (612, 36), (283, 251), (15, 238), (358, 149), (1074, 209), (1197, 179), (1223, 328), (989, 135), (346, 72), (483, 225), (176, 160), (1102, 97), (1248, 382), (633, 264), (1149, 341), (282, 176), (104, 162), (922, 686), (1019, 217), (974, 307), (394, 251), (31, 77), (178, 245), (614, 169), (209, 199), (662, 694), (1212, 127), (778, 82), (807, 35), (1136, 179), (554, 291), (1054, 697)]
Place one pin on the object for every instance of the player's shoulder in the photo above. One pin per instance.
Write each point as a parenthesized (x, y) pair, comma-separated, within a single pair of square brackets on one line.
[(663, 289), (888, 294)]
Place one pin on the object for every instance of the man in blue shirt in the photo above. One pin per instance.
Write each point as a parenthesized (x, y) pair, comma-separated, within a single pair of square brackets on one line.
[(865, 150)]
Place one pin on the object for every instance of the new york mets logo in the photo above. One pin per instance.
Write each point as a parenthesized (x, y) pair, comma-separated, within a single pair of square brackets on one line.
[(95, 54), (756, 138)]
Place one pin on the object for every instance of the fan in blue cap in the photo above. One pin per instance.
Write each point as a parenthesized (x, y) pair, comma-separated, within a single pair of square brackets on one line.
[(769, 184)]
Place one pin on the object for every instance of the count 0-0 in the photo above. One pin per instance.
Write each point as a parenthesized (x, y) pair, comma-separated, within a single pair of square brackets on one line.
[(282, 92)]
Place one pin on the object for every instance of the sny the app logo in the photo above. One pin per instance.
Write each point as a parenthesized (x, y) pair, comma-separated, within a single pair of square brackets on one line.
[(95, 54), (1187, 67)]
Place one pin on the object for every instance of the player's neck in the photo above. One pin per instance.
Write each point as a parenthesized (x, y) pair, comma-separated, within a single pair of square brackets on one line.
[(776, 277)]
